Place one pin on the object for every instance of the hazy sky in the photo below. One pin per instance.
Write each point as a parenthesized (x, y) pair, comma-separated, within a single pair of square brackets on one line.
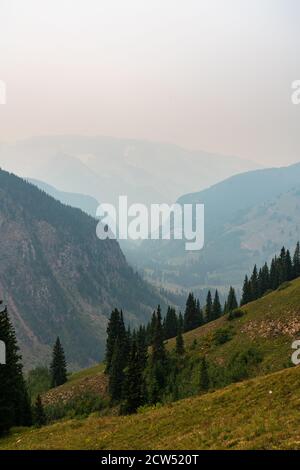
[(213, 75)]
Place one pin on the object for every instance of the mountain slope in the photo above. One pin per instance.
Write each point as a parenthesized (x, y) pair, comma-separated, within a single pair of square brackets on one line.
[(267, 327), (86, 203), (58, 278), (258, 414), (246, 218)]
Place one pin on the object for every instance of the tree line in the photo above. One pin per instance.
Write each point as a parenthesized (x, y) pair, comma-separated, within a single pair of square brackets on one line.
[(283, 268)]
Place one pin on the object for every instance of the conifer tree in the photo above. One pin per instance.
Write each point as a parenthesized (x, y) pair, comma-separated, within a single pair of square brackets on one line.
[(288, 266), (39, 415), (133, 393), (170, 323), (58, 367), (157, 363), (116, 374), (112, 331), (209, 307), (204, 377), (282, 264), (200, 319), (246, 295), (152, 327), (15, 407), (216, 308), (180, 321), (254, 284), (264, 279), (296, 261), (231, 303), (142, 347), (274, 274), (190, 315)]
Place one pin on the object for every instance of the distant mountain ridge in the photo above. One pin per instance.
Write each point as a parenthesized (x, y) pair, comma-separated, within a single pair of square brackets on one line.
[(59, 279), (247, 219), (106, 167)]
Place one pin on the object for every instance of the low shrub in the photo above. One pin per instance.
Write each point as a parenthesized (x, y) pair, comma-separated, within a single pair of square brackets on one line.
[(237, 313), (222, 336)]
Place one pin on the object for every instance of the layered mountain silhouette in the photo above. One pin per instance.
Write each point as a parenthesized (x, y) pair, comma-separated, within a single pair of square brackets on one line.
[(106, 167), (59, 279)]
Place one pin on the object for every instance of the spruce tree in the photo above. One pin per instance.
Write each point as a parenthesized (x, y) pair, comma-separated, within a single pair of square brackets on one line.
[(296, 262), (274, 274), (15, 407), (209, 307), (204, 377), (58, 367), (113, 331), (216, 308), (157, 362), (170, 323), (246, 295), (191, 320), (200, 319), (288, 266), (264, 279), (231, 303), (254, 284), (133, 392), (283, 269), (116, 374), (39, 415)]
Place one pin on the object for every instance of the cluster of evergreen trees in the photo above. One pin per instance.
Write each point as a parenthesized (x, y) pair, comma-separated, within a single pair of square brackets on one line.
[(15, 409), (15, 405), (137, 362), (283, 268), (194, 316)]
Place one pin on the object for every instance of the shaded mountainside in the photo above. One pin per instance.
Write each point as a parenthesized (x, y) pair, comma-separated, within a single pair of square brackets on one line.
[(261, 413), (86, 203), (58, 278), (246, 218)]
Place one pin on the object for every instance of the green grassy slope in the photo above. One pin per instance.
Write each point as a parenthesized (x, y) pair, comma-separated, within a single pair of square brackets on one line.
[(261, 413), (269, 325)]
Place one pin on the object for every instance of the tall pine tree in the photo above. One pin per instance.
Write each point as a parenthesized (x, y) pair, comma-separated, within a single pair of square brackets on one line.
[(216, 308), (15, 407), (58, 367), (209, 308)]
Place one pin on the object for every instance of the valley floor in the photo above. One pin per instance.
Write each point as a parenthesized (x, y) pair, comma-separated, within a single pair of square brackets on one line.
[(262, 413)]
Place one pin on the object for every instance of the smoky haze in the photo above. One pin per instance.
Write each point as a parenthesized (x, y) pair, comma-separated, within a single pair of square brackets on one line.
[(208, 75)]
